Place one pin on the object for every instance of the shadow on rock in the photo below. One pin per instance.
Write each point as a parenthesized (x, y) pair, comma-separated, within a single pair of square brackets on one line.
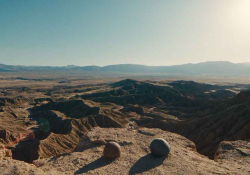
[(146, 163), (56, 157), (100, 162)]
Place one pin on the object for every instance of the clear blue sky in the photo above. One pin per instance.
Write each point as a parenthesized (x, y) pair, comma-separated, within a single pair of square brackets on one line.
[(104, 32)]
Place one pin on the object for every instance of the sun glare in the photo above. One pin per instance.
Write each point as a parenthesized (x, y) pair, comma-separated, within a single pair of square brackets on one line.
[(241, 12)]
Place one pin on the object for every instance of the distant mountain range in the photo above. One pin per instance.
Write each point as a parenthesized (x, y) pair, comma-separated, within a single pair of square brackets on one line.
[(205, 68)]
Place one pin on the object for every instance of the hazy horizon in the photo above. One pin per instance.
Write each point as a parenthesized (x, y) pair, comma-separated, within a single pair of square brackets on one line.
[(124, 64), (145, 32)]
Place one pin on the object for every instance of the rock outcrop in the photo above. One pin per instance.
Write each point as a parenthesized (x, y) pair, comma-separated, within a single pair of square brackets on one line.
[(135, 159), (61, 127), (234, 154)]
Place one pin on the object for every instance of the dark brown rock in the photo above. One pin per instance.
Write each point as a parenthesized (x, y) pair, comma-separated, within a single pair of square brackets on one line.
[(112, 150)]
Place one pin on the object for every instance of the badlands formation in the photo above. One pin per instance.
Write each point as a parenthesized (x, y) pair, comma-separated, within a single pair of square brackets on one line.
[(63, 129)]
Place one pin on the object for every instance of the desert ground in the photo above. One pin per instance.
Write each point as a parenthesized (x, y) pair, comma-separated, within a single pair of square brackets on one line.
[(58, 123)]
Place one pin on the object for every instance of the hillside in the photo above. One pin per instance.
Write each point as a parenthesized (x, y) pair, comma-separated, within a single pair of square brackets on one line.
[(228, 120), (55, 125)]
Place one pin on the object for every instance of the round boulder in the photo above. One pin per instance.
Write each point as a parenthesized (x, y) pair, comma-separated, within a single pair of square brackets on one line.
[(159, 147), (112, 150)]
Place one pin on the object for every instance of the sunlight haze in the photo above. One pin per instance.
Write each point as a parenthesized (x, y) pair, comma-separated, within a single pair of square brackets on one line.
[(148, 32)]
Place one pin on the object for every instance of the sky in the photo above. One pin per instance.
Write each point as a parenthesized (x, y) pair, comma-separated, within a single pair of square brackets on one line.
[(105, 32)]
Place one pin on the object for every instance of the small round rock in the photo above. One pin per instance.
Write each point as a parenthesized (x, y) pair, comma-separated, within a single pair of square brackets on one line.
[(112, 150), (159, 147)]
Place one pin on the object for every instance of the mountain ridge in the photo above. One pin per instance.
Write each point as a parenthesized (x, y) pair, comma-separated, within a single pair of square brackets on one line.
[(203, 68)]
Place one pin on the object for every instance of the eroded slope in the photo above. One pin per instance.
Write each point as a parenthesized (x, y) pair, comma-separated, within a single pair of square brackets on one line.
[(135, 158)]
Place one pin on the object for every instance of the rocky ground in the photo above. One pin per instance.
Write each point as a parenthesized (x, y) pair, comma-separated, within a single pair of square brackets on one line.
[(136, 157), (63, 129)]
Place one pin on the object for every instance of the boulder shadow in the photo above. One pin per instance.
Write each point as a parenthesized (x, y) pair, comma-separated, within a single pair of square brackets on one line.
[(100, 162), (146, 163)]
